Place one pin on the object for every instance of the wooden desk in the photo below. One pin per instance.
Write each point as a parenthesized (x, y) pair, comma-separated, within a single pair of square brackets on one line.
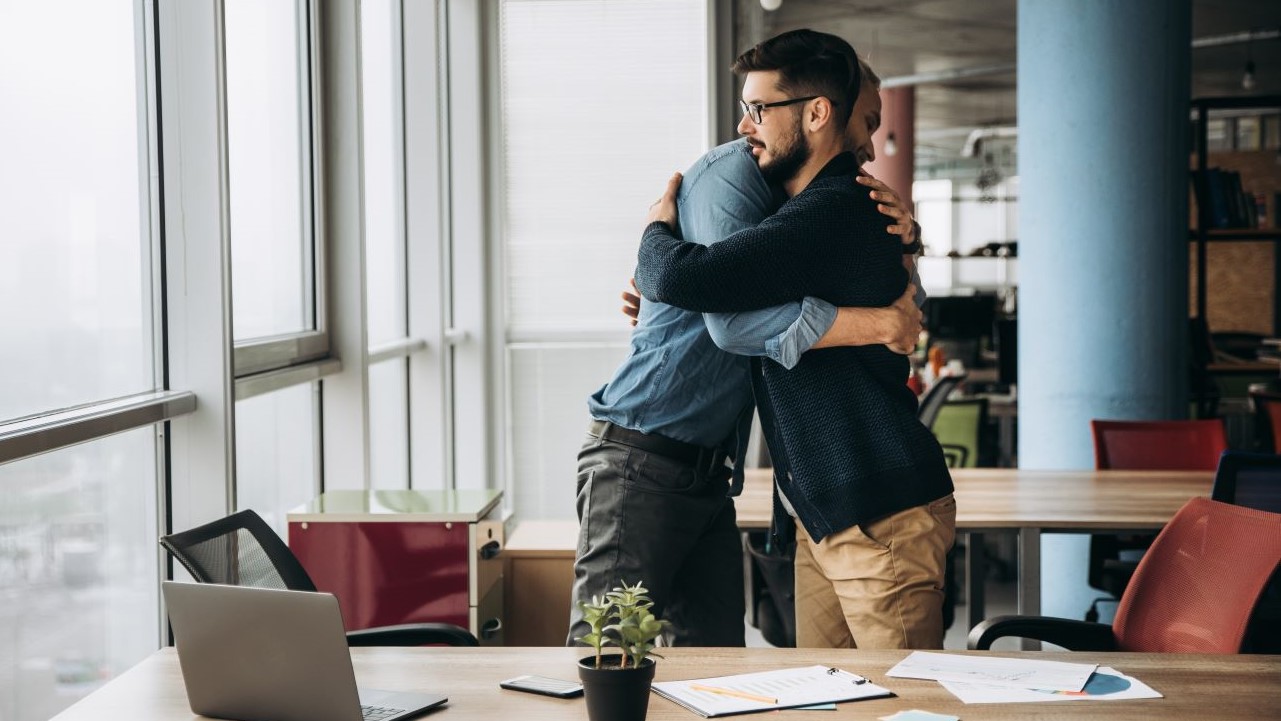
[(1196, 687), (1002, 500), (1029, 503)]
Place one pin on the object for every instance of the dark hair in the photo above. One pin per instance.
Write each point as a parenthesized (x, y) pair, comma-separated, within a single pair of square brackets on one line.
[(809, 63)]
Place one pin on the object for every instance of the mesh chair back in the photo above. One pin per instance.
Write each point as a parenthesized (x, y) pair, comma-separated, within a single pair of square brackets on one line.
[(935, 397), (1196, 587), (1252, 480), (239, 550), (1159, 445), (959, 426)]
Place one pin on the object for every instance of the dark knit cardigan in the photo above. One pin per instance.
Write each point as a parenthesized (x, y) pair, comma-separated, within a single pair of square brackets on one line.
[(841, 425)]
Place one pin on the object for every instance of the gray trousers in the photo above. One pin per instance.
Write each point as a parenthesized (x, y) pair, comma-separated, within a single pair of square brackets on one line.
[(647, 518)]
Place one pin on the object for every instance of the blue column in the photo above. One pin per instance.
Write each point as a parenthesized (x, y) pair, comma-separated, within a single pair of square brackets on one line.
[(1103, 266)]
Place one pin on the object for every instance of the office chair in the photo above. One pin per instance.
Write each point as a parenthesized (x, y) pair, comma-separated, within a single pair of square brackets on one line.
[(936, 396), (1193, 592), (1253, 480), (959, 427), (776, 600), (242, 550), (1144, 446), (955, 456)]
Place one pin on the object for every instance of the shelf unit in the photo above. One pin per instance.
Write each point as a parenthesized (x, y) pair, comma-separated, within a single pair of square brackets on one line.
[(1203, 235)]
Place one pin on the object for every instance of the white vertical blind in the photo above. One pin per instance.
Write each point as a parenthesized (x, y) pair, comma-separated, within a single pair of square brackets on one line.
[(601, 102)]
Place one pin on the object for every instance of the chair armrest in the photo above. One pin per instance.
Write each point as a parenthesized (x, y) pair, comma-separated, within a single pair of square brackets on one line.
[(1070, 634), (412, 634)]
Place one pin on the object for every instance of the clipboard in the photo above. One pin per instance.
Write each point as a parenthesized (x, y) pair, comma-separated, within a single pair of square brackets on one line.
[(768, 690)]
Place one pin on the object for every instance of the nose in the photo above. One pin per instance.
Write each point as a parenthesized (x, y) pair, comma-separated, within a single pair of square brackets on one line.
[(745, 125), (871, 152)]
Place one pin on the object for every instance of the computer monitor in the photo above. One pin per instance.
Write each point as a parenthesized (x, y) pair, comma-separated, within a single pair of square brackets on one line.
[(960, 323)]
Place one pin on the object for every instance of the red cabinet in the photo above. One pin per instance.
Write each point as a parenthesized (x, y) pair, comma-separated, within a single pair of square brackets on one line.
[(401, 556)]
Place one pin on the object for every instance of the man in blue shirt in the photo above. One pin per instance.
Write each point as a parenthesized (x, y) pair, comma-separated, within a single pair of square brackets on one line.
[(654, 492)]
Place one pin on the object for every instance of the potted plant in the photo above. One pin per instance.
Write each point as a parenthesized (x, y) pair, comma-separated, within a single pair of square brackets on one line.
[(616, 685)]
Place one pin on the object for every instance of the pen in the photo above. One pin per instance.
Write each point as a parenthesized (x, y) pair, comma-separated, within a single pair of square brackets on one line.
[(732, 692)]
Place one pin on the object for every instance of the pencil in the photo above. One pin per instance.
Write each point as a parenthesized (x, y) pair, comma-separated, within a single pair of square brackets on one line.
[(732, 692)]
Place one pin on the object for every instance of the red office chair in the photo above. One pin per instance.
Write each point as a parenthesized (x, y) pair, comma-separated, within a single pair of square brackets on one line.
[(1144, 446), (1159, 445), (1193, 592)]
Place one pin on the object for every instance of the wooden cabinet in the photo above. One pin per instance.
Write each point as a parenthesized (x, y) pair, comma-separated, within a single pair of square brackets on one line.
[(539, 579), (401, 556)]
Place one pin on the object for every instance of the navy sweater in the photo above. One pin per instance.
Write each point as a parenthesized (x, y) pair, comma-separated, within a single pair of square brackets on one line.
[(841, 425)]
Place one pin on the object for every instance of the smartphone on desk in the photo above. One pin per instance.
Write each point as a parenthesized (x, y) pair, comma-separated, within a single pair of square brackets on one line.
[(544, 685)]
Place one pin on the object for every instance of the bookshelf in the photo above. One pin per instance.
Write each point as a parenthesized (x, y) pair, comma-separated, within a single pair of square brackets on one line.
[(1244, 265)]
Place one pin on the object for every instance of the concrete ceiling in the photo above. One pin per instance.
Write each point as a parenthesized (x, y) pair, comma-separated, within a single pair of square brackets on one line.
[(909, 37)]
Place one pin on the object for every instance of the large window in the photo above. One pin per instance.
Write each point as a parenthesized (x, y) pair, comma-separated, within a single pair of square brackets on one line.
[(75, 254), (276, 452), (268, 148), (78, 571), (593, 120), (385, 262), (277, 298), (78, 562)]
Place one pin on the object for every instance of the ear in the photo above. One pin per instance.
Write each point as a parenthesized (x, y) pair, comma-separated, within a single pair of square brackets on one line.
[(819, 114)]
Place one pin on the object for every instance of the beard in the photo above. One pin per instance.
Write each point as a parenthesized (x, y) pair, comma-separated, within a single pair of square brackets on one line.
[(788, 158)]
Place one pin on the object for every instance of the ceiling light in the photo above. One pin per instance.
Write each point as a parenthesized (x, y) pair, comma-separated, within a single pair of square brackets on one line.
[(890, 147), (771, 5)]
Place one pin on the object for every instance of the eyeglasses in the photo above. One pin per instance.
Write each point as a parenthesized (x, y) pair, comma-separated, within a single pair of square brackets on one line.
[(754, 109)]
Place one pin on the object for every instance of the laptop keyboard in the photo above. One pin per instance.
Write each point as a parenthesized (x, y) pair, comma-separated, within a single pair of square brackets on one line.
[(378, 713)]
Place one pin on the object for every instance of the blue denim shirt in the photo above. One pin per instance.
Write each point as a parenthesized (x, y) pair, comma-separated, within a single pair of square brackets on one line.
[(676, 381)]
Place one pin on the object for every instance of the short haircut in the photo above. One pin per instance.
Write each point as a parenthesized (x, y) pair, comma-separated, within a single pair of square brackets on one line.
[(809, 63), (870, 78)]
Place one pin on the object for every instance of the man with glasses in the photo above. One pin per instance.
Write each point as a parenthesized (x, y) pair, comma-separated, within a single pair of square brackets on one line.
[(654, 490), (864, 479)]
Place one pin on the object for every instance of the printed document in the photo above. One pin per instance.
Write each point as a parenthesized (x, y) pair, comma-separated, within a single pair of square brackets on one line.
[(1107, 684), (767, 690), (994, 671)]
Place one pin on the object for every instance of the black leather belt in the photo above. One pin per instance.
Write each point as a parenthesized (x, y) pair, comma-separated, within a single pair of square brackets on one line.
[(703, 459)]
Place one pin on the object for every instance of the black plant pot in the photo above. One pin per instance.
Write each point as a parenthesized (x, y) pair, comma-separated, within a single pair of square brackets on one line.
[(613, 693)]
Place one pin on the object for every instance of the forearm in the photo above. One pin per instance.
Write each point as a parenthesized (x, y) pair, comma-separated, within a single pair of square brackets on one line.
[(859, 326), (781, 333), (730, 276)]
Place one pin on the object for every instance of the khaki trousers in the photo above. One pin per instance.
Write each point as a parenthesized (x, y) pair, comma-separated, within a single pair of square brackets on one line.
[(878, 585)]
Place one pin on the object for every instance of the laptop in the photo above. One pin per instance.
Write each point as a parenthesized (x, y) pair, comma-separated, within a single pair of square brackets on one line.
[(260, 654)]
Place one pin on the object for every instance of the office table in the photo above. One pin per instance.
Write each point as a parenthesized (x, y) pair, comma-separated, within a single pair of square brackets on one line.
[(1029, 503), (989, 500), (1196, 687)]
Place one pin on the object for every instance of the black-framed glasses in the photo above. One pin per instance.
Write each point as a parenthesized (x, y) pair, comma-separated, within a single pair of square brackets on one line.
[(754, 109)]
